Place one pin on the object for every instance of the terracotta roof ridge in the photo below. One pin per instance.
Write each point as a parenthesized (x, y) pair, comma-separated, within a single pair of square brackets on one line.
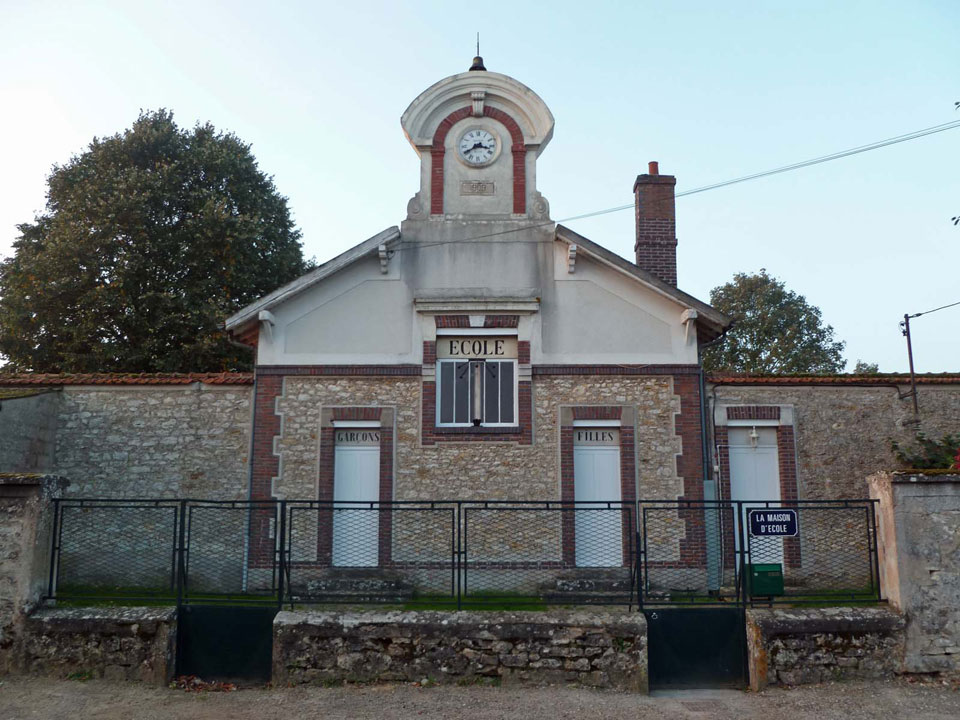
[(209, 378), (945, 378)]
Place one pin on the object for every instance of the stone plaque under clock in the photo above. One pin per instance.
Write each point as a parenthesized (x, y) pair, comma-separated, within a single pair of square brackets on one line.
[(480, 187)]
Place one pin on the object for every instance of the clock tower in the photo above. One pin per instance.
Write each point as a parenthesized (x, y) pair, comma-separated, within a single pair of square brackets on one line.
[(478, 135)]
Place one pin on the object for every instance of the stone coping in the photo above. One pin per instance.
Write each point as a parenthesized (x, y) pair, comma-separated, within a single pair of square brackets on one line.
[(773, 622), (615, 623), (116, 620), (920, 476), (20, 485), (31, 478)]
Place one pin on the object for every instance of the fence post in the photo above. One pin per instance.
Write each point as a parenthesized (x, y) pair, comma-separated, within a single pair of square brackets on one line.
[(281, 550), (637, 563), (54, 549), (181, 551), (460, 551), (744, 594), (873, 548)]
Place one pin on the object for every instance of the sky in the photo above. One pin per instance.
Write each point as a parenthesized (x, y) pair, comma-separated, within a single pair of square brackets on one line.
[(712, 91)]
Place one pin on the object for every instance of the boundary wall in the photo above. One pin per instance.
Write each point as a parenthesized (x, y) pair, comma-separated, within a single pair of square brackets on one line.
[(919, 548), (595, 649)]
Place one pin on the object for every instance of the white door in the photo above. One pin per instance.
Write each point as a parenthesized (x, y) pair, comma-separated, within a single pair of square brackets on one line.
[(356, 489), (598, 528), (755, 475)]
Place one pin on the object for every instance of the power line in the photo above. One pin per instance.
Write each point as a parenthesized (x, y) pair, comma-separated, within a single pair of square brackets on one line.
[(832, 156), (916, 134), (942, 307)]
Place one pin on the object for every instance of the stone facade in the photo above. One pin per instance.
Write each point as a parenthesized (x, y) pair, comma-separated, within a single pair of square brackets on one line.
[(25, 522), (479, 470), (805, 646), (919, 538), (843, 432), (117, 643), (594, 649), (28, 423)]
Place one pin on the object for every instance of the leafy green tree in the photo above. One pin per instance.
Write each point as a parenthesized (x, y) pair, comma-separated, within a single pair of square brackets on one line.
[(150, 239), (865, 368), (775, 330)]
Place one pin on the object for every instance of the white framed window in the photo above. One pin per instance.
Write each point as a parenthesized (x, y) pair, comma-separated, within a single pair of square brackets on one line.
[(476, 392)]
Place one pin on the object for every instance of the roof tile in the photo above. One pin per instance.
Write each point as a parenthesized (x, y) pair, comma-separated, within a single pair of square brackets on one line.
[(224, 378)]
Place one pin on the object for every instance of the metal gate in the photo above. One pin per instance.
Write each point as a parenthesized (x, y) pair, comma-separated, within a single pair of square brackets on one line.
[(225, 642), (691, 594), (696, 647)]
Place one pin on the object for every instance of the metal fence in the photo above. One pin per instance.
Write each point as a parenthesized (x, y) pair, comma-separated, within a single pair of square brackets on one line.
[(701, 552), (461, 553)]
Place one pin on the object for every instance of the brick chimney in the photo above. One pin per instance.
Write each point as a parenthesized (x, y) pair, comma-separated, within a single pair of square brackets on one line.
[(656, 245)]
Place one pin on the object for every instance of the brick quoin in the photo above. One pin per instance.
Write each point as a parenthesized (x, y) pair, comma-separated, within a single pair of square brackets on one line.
[(517, 148), (264, 467), (429, 352), (690, 467)]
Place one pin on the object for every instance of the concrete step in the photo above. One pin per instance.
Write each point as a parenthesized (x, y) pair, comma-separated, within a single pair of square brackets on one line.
[(592, 581), (588, 598)]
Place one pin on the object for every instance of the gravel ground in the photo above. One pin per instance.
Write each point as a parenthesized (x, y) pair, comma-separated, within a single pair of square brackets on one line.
[(42, 698)]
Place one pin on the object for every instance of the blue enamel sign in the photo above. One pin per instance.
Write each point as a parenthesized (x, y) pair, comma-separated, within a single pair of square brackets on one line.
[(773, 522)]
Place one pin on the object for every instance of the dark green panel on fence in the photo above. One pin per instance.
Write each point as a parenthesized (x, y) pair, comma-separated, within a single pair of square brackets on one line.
[(696, 647), (764, 579), (225, 642)]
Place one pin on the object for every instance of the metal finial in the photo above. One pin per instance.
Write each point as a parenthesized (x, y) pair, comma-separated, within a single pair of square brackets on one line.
[(478, 61)]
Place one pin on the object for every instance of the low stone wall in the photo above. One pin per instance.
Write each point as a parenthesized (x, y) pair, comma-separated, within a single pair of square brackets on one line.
[(597, 649), (132, 643), (803, 646)]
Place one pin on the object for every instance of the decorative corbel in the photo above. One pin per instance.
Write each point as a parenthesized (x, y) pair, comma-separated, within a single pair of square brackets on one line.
[(689, 319), (382, 252), (478, 97), (571, 258), (268, 320)]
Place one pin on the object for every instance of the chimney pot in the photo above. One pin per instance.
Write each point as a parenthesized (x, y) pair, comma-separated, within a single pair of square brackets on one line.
[(653, 167)]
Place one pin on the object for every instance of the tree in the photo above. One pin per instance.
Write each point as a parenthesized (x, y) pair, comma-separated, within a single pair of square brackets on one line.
[(865, 368), (775, 330), (150, 239)]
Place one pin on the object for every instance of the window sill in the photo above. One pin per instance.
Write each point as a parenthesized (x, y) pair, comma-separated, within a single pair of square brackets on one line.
[(501, 430)]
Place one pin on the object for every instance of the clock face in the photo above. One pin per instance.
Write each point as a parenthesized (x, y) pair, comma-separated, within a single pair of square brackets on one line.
[(477, 146)]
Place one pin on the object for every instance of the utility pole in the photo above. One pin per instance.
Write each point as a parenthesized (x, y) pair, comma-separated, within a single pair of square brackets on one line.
[(905, 328)]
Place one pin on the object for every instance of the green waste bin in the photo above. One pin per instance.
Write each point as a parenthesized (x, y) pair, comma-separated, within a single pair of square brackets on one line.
[(765, 579)]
